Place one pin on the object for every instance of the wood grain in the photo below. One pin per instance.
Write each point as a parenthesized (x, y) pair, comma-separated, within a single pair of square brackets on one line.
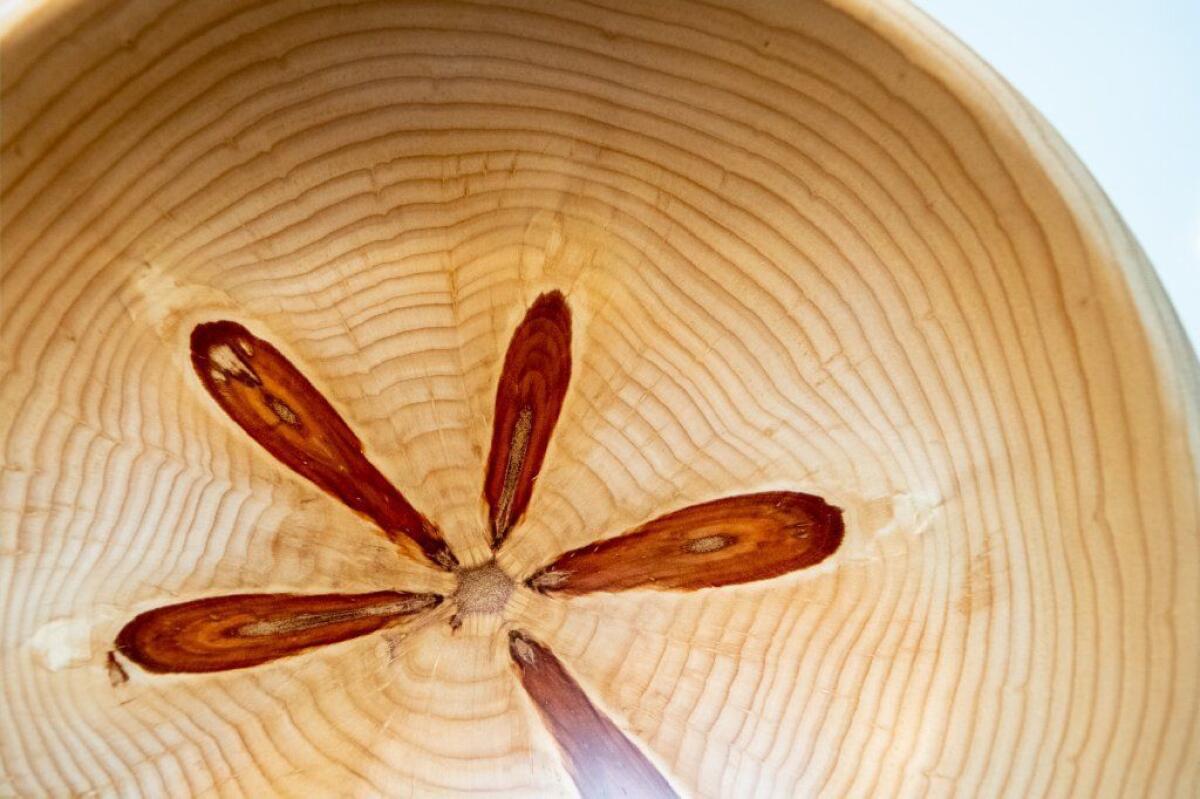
[(806, 246)]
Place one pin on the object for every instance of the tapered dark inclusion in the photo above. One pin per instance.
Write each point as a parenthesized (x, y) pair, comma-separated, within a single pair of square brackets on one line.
[(599, 758), (727, 541), (271, 400), (529, 397), (242, 630)]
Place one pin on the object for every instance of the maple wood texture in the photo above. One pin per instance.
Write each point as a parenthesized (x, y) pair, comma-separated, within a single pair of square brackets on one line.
[(806, 246)]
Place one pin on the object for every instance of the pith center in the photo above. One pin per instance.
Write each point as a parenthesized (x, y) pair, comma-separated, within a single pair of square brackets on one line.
[(483, 590)]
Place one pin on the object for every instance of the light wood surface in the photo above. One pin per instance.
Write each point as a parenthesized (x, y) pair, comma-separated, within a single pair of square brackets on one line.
[(807, 246)]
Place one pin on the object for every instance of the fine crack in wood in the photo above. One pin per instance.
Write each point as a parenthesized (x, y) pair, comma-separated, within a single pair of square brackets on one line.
[(516, 457), (307, 621)]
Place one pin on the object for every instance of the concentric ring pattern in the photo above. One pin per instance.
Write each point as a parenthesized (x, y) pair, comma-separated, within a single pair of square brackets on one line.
[(807, 246)]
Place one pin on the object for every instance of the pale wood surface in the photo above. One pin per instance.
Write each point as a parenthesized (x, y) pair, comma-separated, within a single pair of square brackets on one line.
[(806, 246)]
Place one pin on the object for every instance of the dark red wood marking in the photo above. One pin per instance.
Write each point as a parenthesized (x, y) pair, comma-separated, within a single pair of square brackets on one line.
[(599, 758), (726, 541), (242, 630), (529, 397), (116, 672), (272, 401)]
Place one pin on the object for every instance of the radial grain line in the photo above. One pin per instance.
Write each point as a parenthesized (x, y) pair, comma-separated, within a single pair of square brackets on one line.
[(243, 630), (516, 459), (529, 398), (724, 542), (268, 397), (601, 760)]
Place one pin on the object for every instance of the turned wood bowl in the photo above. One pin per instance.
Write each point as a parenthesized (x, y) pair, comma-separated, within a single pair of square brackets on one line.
[(553, 398)]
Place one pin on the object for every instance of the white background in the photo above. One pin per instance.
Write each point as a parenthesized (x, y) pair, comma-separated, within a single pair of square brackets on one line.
[(1120, 80)]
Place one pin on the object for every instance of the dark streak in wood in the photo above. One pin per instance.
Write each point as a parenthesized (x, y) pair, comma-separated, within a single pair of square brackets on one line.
[(529, 397), (272, 401), (242, 630), (116, 672), (599, 757), (734, 540)]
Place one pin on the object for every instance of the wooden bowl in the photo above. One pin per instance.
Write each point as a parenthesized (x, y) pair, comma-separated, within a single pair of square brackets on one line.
[(830, 432)]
